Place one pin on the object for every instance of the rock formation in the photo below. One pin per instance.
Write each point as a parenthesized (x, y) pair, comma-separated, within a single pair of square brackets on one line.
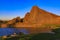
[(34, 20), (15, 20), (37, 17), (5, 24)]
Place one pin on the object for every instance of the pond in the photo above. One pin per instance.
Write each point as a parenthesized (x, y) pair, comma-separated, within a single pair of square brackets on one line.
[(9, 31)]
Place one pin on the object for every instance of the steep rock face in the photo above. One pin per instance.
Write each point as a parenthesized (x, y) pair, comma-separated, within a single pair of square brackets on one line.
[(40, 16), (37, 17), (32, 16), (34, 13), (26, 18)]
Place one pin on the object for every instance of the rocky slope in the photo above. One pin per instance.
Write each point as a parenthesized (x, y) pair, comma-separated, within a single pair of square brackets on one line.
[(34, 21), (10, 22), (37, 17)]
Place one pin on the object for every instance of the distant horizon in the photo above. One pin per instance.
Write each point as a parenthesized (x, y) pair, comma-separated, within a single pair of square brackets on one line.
[(10, 9)]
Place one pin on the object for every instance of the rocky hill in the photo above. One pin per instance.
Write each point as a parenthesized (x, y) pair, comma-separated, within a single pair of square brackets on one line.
[(35, 20), (37, 17), (10, 22)]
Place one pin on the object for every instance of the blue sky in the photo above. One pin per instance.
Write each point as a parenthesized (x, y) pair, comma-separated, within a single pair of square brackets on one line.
[(13, 8)]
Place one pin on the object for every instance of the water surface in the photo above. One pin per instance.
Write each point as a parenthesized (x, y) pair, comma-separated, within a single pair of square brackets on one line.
[(9, 31)]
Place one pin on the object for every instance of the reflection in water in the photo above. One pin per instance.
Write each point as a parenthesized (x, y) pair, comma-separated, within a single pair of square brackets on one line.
[(9, 31)]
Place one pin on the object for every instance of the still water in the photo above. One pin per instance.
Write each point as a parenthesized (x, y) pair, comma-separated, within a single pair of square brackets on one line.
[(9, 31)]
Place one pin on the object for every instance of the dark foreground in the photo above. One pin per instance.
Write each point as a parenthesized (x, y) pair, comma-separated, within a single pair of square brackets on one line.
[(39, 36)]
